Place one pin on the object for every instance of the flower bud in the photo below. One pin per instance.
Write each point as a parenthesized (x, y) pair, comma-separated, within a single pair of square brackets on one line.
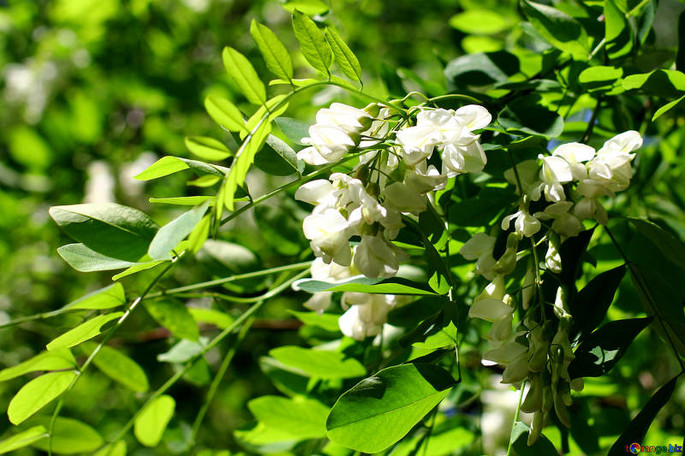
[(552, 257)]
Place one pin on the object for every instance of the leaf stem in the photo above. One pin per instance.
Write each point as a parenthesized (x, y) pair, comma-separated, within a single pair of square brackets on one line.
[(516, 416)]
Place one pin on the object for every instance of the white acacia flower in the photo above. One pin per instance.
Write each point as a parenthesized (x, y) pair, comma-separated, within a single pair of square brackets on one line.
[(529, 174), (473, 117), (418, 143), (565, 223), (330, 273), (480, 248), (376, 257), (611, 167), (350, 120), (524, 223), (590, 208), (459, 159), (365, 315), (329, 145), (575, 154), (555, 172), (424, 178), (318, 191), (327, 233), (404, 198)]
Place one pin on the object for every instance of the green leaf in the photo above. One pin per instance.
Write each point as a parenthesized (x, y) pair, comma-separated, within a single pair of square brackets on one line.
[(312, 42), (274, 52), (110, 229), (480, 22), (263, 440), (380, 410), (477, 70), (171, 234), (344, 56), (670, 247), (318, 363), (244, 75), (69, 436), (199, 235), (83, 332), (38, 393), (46, 361), (23, 439), (225, 113), (636, 430), (526, 115), (168, 165), (300, 417), (207, 148), (104, 298), (241, 164), (185, 200), (115, 449), (119, 368), (278, 158), (667, 107), (183, 351), (325, 321), (150, 424), (618, 32), (394, 285), (601, 78), (662, 83), (558, 28), (309, 7), (138, 267), (215, 317), (590, 305), (83, 259), (602, 349), (519, 437), (174, 316), (293, 129)]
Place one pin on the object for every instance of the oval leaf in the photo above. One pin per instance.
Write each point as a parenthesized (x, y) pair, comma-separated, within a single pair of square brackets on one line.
[(50, 360), (380, 410), (69, 436), (120, 368), (174, 316), (344, 56), (104, 298), (170, 165), (244, 75), (558, 28), (110, 229), (83, 332), (300, 417), (83, 259), (274, 52), (207, 148), (171, 234), (23, 439), (318, 363), (38, 393), (225, 113), (312, 42), (149, 426)]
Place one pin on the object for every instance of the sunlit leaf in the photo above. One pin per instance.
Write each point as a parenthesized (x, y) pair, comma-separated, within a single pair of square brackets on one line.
[(83, 332), (380, 410), (174, 316), (300, 417), (23, 439), (225, 114), (170, 165), (344, 56), (150, 424), (274, 52), (312, 42), (207, 148), (119, 368), (38, 393), (558, 28), (318, 363), (244, 75), (69, 436), (104, 298), (57, 359)]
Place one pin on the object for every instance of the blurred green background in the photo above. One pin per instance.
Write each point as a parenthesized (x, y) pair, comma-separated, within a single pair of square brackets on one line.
[(93, 91)]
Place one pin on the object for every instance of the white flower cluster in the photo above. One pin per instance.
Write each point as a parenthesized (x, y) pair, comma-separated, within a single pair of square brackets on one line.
[(389, 182), (588, 175), (572, 179)]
